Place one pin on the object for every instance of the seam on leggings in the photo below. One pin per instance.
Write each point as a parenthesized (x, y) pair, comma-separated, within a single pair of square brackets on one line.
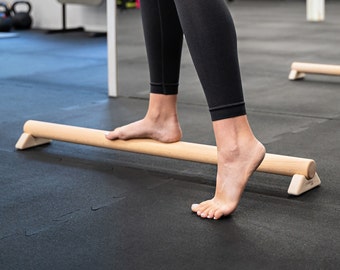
[(221, 107), (162, 42), (165, 89), (227, 111)]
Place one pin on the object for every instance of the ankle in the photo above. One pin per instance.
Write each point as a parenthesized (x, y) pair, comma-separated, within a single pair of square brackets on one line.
[(231, 150), (159, 116), (162, 108)]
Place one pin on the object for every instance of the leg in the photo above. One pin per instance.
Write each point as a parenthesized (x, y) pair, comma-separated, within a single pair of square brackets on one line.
[(163, 38), (211, 37)]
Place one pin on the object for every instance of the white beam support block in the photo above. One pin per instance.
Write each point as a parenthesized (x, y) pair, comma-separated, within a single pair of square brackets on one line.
[(315, 10)]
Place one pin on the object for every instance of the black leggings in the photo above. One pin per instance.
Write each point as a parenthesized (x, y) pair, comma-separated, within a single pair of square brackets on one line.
[(210, 34)]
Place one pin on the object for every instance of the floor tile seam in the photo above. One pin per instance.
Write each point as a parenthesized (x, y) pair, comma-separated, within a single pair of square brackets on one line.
[(183, 177), (48, 53), (51, 224), (291, 114), (130, 58), (292, 200), (152, 169), (168, 173), (43, 115), (200, 179), (249, 108), (14, 80), (8, 151)]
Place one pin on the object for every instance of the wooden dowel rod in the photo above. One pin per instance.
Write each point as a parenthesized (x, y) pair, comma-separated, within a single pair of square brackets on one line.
[(316, 68), (276, 164)]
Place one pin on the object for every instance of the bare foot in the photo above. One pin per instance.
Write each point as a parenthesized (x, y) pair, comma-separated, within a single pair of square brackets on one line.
[(163, 131), (160, 123), (235, 166)]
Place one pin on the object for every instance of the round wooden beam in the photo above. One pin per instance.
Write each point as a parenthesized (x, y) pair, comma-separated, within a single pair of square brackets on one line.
[(316, 68), (37, 132)]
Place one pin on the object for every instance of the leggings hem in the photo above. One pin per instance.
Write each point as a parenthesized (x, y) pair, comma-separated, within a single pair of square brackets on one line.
[(165, 89), (227, 111)]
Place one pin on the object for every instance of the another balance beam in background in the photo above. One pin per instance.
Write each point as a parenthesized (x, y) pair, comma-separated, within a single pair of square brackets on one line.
[(299, 70), (303, 171)]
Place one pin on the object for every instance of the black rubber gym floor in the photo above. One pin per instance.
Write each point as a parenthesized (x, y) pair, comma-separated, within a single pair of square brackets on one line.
[(68, 206)]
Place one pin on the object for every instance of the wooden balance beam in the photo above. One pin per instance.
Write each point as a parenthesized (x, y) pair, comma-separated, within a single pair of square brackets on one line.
[(37, 133), (299, 70)]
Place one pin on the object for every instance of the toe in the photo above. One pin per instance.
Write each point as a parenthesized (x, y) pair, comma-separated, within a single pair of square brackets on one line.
[(200, 207), (211, 213), (208, 212), (111, 135), (194, 207), (218, 214), (202, 212), (203, 215), (226, 211), (204, 207)]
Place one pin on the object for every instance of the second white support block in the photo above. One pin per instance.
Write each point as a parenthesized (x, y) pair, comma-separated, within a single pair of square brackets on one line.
[(315, 10)]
